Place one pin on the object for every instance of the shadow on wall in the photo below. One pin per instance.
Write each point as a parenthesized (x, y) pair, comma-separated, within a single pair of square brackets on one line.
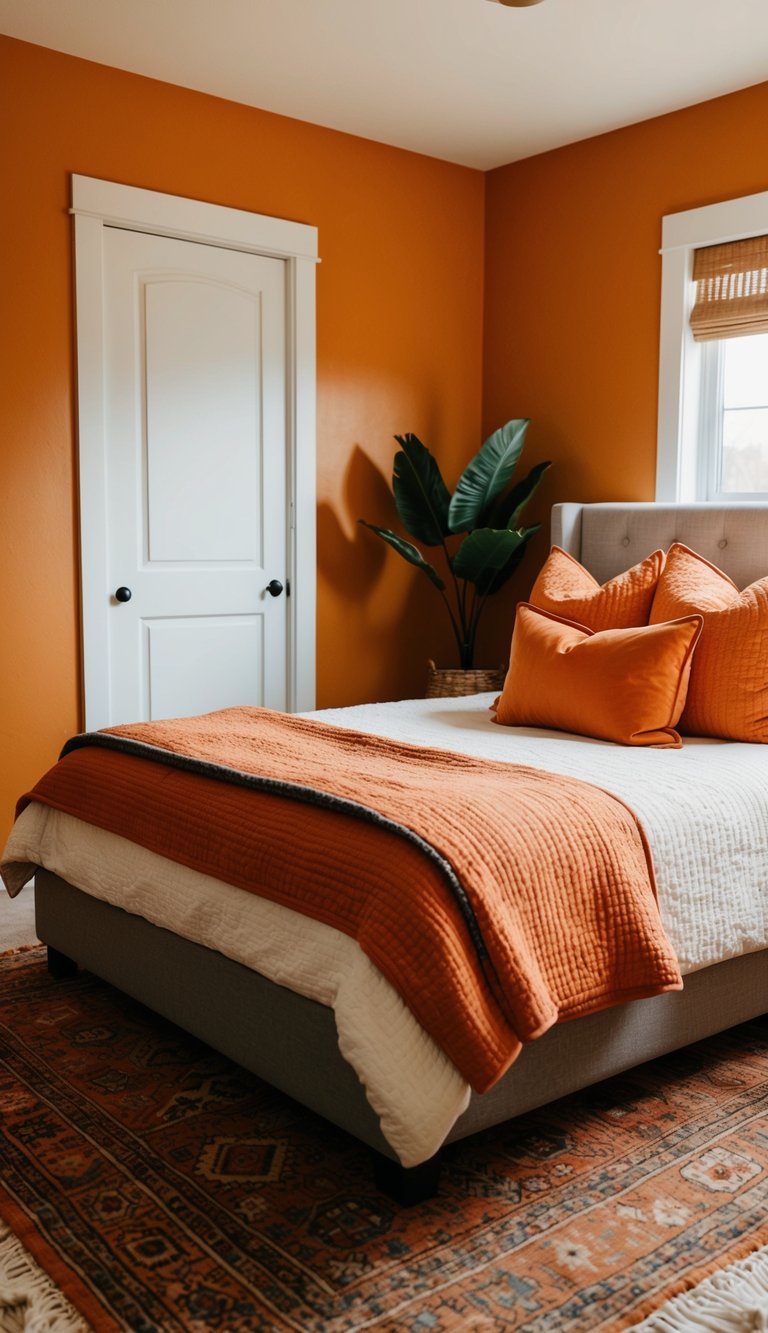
[(353, 565)]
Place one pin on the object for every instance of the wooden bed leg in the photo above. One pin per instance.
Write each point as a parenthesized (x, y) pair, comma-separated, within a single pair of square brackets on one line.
[(407, 1185), (59, 965)]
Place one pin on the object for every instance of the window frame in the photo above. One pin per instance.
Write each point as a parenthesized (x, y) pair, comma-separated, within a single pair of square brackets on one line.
[(681, 469), (709, 422)]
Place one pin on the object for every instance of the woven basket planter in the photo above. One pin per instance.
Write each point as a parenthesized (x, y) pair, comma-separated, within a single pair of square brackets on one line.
[(450, 682)]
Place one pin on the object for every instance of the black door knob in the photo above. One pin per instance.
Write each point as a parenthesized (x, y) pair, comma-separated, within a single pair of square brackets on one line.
[(274, 588), (123, 594)]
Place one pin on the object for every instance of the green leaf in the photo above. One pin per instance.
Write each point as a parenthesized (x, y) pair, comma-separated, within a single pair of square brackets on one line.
[(407, 551), (511, 507), (486, 551), (486, 476), (483, 549), (421, 495), (493, 579)]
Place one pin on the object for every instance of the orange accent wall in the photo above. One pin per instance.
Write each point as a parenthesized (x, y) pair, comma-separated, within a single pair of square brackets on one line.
[(399, 348)]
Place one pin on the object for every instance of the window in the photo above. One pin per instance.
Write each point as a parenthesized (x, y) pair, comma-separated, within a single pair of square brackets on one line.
[(713, 378), (733, 419)]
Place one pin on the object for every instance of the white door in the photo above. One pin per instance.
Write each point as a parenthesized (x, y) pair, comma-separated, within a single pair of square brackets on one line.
[(196, 488)]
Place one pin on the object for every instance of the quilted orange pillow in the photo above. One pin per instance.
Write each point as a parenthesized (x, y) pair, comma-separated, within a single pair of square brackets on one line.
[(728, 693), (566, 588), (624, 685)]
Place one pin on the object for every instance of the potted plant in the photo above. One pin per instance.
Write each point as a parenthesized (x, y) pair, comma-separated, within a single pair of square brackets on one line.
[(477, 530)]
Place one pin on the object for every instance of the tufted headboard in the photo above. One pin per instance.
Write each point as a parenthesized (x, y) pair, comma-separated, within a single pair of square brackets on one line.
[(608, 538)]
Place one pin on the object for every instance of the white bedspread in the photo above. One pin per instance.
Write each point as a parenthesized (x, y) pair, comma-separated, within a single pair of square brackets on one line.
[(705, 810)]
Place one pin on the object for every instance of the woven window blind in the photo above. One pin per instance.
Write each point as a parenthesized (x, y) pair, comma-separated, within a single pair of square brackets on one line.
[(731, 289)]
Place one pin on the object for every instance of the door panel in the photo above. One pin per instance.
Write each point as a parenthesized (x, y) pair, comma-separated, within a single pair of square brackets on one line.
[(198, 663), (202, 500), (196, 476)]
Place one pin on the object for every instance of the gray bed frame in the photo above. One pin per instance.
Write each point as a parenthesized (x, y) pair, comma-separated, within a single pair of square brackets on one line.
[(291, 1042)]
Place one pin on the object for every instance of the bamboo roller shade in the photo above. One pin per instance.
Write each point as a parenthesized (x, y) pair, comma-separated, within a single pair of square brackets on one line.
[(731, 289)]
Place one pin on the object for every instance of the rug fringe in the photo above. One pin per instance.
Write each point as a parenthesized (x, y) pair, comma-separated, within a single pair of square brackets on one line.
[(734, 1300), (29, 1300)]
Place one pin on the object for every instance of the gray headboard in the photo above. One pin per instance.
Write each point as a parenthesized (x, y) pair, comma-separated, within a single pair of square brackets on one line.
[(608, 538)]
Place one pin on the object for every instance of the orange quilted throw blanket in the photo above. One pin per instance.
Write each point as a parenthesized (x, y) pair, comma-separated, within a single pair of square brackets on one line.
[(495, 898)]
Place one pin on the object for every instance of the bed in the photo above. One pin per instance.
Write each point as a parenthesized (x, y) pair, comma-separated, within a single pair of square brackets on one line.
[(311, 1016)]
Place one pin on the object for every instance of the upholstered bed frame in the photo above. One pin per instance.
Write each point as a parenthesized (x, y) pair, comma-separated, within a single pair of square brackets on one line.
[(291, 1041), (608, 538)]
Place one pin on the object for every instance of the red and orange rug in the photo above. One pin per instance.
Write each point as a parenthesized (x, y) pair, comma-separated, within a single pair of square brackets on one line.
[(164, 1190)]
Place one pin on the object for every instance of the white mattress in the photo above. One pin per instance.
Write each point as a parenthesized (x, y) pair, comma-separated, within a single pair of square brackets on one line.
[(705, 810)]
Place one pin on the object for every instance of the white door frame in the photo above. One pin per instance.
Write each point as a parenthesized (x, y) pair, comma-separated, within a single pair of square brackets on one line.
[(97, 204)]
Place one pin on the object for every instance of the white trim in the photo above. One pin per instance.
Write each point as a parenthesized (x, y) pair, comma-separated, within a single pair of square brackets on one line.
[(191, 219), (98, 204), (679, 354), (302, 486), (92, 466), (731, 220)]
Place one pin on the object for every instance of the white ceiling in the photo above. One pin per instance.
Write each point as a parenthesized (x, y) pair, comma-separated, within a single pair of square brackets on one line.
[(465, 80)]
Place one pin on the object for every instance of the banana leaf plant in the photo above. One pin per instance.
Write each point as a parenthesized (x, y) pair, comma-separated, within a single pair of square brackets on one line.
[(483, 507)]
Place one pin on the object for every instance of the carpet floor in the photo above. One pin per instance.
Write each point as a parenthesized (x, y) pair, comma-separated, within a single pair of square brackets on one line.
[(166, 1191)]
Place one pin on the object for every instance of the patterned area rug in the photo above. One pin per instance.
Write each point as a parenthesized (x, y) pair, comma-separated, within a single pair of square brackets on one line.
[(165, 1190)]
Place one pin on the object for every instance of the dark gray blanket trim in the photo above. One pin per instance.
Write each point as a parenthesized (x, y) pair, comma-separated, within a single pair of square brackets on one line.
[(293, 791)]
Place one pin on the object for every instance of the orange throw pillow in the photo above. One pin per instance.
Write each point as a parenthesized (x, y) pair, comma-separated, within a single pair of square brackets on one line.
[(624, 685), (728, 693), (566, 588)]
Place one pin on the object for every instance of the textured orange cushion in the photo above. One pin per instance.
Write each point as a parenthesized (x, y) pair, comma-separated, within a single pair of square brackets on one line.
[(565, 588), (728, 692), (625, 685)]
